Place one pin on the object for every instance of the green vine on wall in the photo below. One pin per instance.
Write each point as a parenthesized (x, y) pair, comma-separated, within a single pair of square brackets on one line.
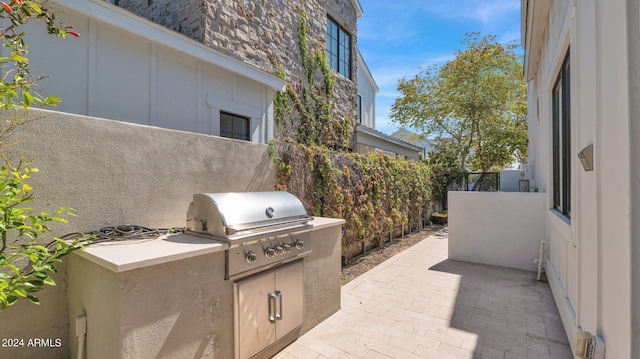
[(374, 193), (304, 111)]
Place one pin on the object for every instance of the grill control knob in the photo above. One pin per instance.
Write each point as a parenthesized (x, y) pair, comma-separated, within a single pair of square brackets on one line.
[(286, 248), (279, 250), (269, 252), (251, 257), (299, 244)]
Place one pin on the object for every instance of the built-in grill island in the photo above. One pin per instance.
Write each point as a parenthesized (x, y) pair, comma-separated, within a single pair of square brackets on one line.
[(268, 234), (250, 275)]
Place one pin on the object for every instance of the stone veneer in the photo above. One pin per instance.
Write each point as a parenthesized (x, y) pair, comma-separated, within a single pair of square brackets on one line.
[(258, 31)]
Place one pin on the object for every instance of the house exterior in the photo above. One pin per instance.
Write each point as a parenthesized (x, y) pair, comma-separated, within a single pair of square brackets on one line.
[(265, 35), (366, 138), (206, 67), (415, 139), (128, 69), (581, 65)]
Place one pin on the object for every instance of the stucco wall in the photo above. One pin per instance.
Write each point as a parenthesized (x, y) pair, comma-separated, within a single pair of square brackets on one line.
[(508, 235), (115, 173), (322, 274), (174, 310)]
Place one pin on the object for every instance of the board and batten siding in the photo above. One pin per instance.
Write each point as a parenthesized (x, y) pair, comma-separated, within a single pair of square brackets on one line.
[(115, 73)]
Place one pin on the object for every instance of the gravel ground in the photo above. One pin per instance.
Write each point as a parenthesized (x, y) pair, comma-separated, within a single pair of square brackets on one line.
[(364, 263)]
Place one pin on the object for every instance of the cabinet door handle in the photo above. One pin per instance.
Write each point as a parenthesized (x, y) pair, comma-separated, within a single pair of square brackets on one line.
[(272, 307), (279, 298)]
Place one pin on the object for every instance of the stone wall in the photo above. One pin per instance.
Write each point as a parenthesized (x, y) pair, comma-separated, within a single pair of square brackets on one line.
[(261, 32)]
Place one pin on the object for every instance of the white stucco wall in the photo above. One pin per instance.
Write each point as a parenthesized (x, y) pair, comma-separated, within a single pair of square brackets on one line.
[(590, 268), (126, 68), (508, 235), (114, 173)]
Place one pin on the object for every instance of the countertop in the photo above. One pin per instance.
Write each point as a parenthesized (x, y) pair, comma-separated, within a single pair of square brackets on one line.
[(121, 256)]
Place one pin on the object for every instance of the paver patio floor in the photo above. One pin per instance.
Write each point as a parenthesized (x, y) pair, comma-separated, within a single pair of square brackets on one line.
[(420, 304)]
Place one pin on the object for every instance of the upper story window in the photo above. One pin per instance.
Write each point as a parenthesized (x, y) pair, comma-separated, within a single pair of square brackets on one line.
[(561, 133), (359, 108), (234, 126), (338, 48)]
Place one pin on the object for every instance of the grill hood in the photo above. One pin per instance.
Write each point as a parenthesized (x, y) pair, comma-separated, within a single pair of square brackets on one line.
[(230, 215)]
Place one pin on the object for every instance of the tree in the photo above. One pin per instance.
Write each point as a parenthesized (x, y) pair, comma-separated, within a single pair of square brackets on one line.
[(474, 106)]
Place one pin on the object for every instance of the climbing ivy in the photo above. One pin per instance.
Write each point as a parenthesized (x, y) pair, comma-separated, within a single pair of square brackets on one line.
[(374, 193), (304, 111)]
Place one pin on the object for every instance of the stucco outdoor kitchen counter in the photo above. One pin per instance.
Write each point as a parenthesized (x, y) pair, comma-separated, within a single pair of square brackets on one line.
[(121, 256)]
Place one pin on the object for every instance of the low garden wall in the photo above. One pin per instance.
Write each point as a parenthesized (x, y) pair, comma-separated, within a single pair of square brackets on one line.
[(497, 228)]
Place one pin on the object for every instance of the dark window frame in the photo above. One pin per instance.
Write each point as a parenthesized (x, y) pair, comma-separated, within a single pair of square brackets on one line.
[(359, 109), (235, 120), (561, 139), (339, 46)]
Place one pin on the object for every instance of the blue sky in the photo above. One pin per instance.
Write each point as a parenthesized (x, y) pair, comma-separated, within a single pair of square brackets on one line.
[(398, 38)]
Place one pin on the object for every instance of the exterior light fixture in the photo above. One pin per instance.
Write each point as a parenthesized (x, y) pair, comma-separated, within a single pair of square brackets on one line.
[(586, 158)]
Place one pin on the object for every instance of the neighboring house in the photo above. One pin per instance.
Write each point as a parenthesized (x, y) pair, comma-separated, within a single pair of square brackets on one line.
[(366, 138), (265, 35), (128, 69), (416, 140), (206, 67), (581, 64)]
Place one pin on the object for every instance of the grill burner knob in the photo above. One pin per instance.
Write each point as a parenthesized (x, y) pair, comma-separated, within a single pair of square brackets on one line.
[(251, 257), (299, 244), (279, 250), (269, 252), (286, 248)]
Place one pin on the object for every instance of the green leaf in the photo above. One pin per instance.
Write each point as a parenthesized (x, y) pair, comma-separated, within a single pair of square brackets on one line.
[(52, 101), (34, 6), (34, 283), (11, 299), (49, 281), (20, 292), (34, 299)]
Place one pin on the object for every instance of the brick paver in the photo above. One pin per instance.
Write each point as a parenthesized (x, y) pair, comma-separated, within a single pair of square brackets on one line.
[(419, 304)]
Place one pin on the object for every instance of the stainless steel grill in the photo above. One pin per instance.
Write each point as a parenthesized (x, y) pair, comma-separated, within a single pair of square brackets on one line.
[(236, 218), (263, 229)]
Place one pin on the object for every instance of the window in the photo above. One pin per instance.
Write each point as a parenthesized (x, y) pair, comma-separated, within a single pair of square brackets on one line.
[(338, 48), (359, 109), (233, 126), (561, 132)]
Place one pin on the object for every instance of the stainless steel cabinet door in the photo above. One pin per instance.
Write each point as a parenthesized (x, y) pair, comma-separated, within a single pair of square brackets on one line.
[(290, 298), (254, 328), (268, 306)]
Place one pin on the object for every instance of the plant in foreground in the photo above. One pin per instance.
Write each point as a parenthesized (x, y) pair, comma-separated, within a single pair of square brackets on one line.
[(26, 265)]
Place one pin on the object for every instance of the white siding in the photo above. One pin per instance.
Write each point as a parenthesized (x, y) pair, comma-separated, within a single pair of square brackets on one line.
[(590, 268), (367, 91), (117, 74)]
